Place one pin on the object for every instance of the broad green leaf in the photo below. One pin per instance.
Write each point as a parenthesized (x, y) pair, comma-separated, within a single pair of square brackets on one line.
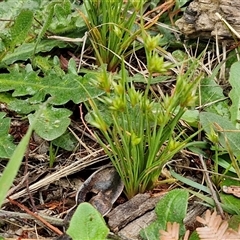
[(232, 202), (191, 117), (67, 141), (62, 89), (213, 99), (87, 223), (228, 199), (6, 98), (171, 208), (61, 12), (21, 27), (52, 122), (234, 80), (224, 128), (21, 106), (6, 145), (26, 50)]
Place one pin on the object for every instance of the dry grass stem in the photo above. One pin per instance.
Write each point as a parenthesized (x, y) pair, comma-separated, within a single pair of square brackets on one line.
[(74, 167)]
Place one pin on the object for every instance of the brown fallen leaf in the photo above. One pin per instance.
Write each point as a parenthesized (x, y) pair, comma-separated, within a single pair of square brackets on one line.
[(234, 190)]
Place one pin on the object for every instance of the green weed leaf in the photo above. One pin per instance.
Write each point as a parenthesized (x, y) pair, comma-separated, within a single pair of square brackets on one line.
[(62, 89), (171, 208), (52, 122), (26, 50), (212, 98), (21, 27), (231, 202), (66, 141), (225, 129), (228, 199), (21, 106), (6, 145), (234, 94), (87, 223)]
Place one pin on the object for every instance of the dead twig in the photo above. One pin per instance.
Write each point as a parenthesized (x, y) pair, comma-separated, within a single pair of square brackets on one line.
[(52, 220), (210, 185), (36, 216), (76, 166)]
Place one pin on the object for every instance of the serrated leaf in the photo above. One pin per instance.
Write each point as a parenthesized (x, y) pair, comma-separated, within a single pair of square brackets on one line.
[(22, 106), (234, 94), (21, 27), (62, 89), (52, 122), (87, 223), (213, 99), (229, 131), (7, 11), (6, 145)]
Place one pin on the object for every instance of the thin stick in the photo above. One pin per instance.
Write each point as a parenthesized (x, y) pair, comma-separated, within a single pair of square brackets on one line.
[(80, 141), (36, 216), (84, 124), (82, 51), (74, 167), (67, 39), (52, 220), (210, 185)]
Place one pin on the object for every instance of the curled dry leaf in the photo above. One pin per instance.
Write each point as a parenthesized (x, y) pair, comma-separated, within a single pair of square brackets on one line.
[(103, 188)]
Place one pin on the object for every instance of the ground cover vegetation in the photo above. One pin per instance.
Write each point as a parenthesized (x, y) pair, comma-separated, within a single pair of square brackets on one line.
[(119, 74)]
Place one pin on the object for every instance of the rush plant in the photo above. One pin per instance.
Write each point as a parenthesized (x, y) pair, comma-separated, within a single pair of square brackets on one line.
[(112, 29), (139, 135)]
